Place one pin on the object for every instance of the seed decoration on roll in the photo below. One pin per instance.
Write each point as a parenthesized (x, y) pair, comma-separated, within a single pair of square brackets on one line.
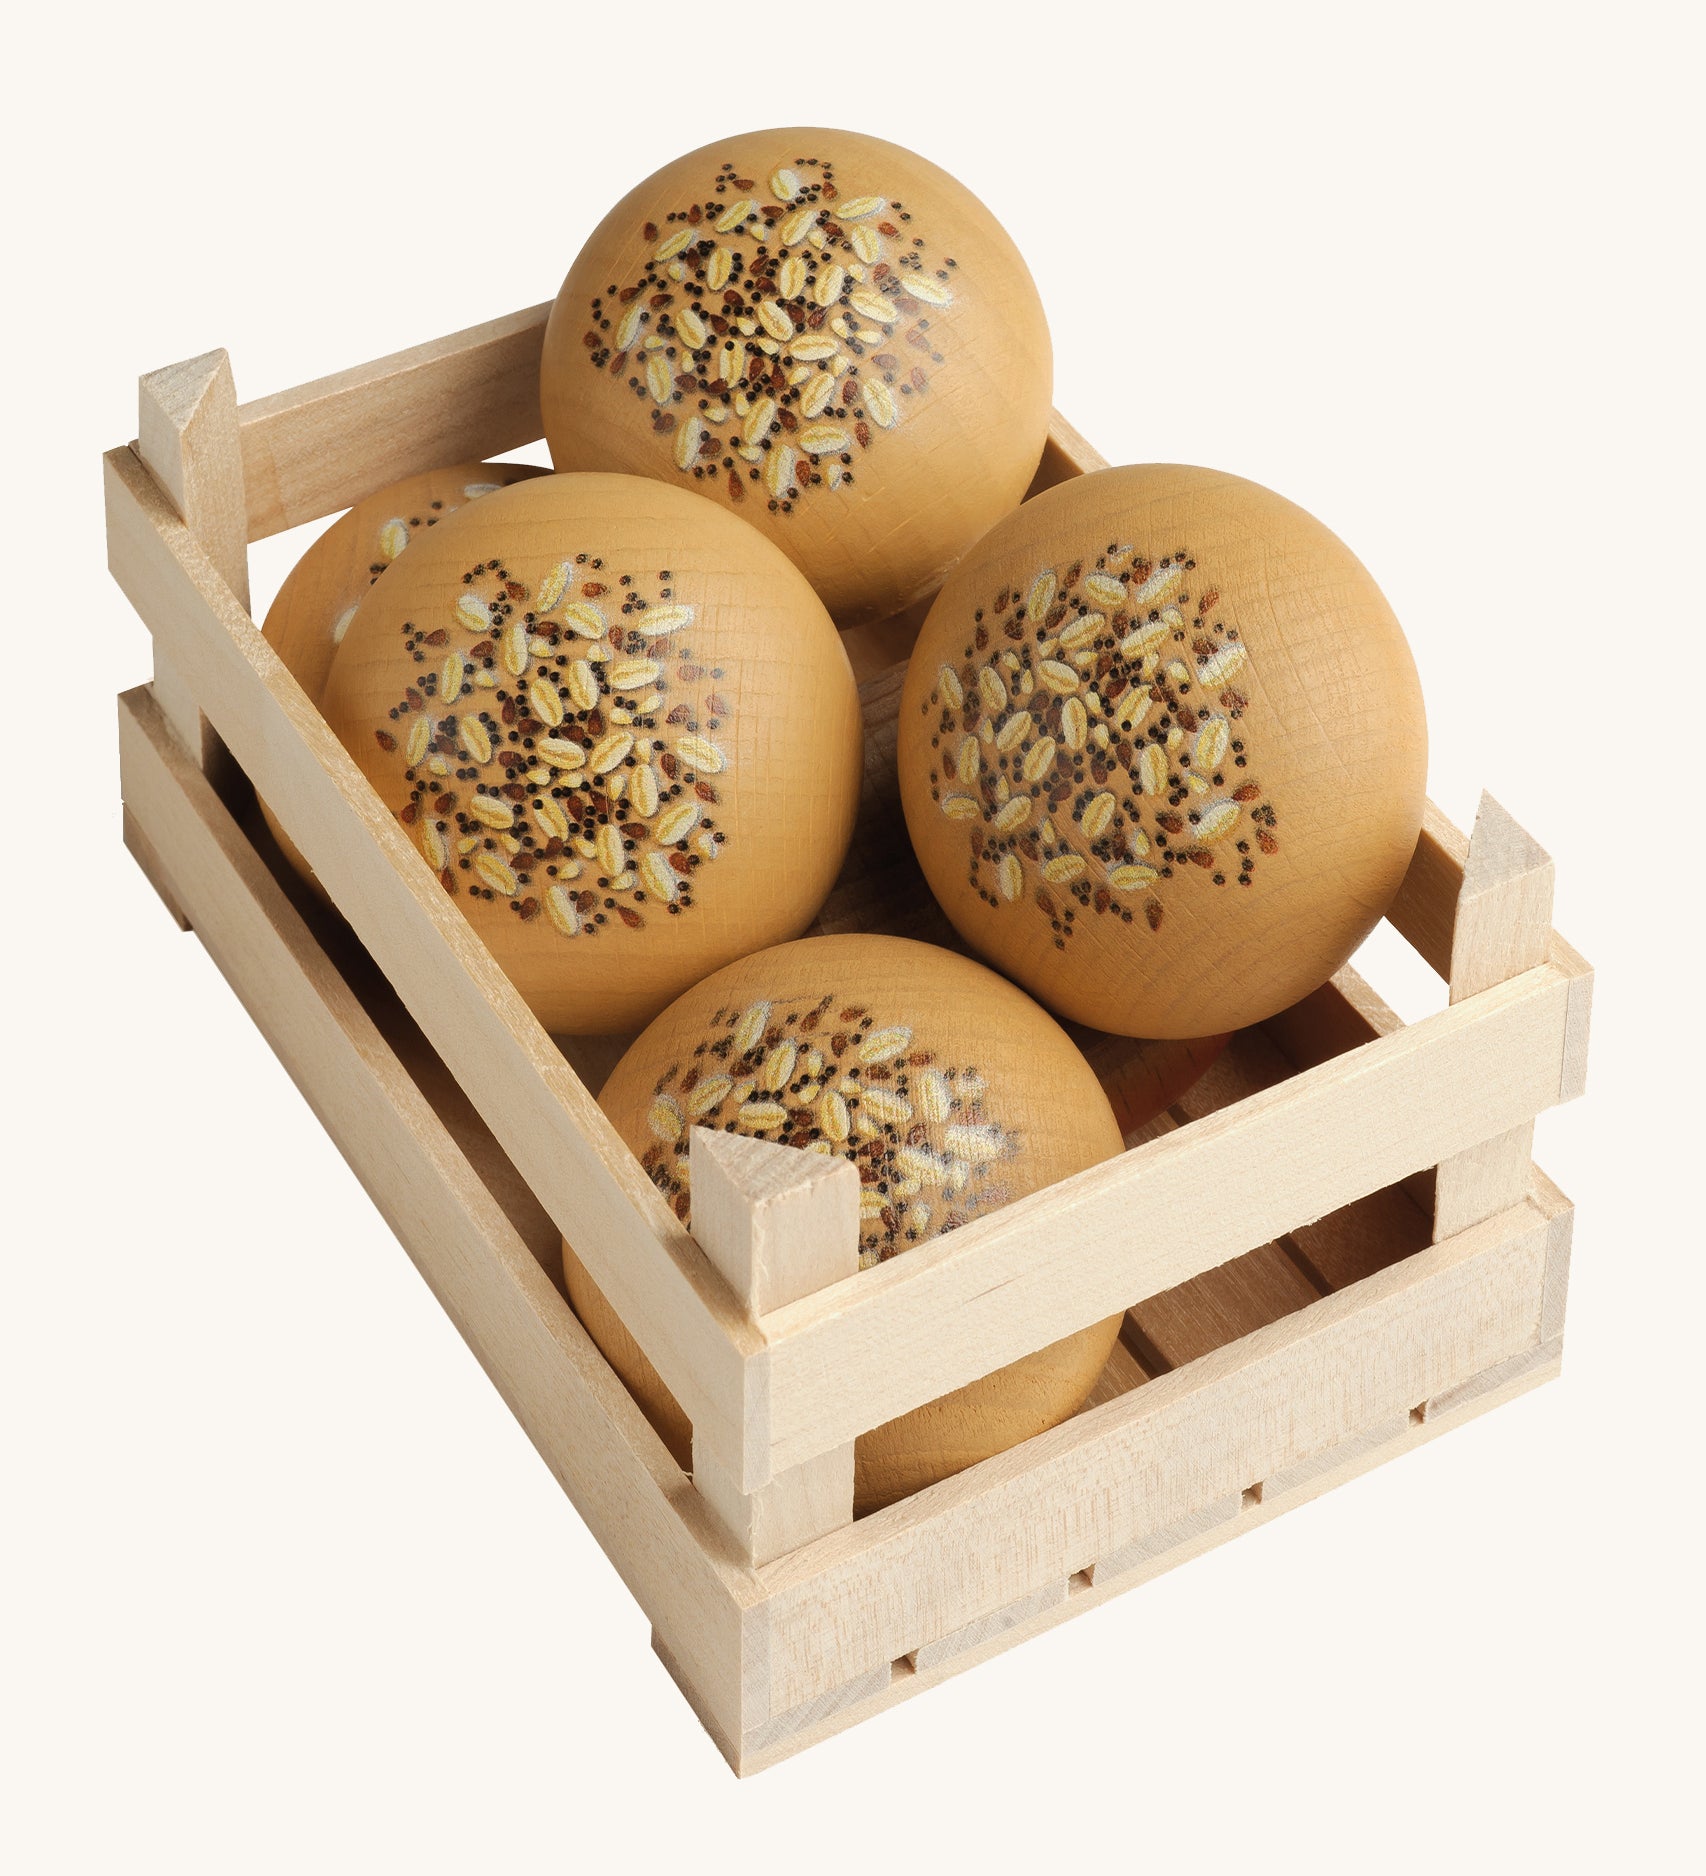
[(1087, 739), (560, 745), (776, 329), (838, 1080)]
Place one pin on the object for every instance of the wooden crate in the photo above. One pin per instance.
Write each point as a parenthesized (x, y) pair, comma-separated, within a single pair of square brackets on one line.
[(1370, 1256)]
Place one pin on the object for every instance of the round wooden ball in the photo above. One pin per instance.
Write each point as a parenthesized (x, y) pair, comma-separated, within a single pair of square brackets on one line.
[(621, 729), (950, 1090), (1162, 750), (822, 331), (314, 607)]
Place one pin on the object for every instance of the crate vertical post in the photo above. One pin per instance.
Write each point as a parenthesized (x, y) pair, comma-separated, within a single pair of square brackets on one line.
[(1503, 928), (779, 1224), (187, 437)]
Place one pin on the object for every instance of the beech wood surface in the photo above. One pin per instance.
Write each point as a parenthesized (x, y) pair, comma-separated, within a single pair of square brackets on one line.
[(478, 1142)]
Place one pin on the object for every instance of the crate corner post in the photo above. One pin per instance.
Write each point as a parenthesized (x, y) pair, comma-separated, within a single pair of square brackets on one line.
[(778, 1224), (1503, 927)]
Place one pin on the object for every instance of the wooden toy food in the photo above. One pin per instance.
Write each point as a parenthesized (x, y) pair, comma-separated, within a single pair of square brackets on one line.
[(314, 606), (822, 331), (619, 726), (1162, 750), (951, 1091)]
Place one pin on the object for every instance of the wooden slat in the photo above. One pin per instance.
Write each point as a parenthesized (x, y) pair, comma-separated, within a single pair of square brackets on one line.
[(1104, 1480), (1567, 958), (187, 437), (1560, 1216), (1041, 1268), (623, 1482), (1192, 1538), (1425, 909), (778, 1225), (142, 852), (1503, 926), (310, 451), (671, 1297)]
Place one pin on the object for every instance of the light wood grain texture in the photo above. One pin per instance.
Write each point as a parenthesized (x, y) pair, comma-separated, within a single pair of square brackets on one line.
[(1504, 908), (1574, 1080), (1355, 1457), (1353, 1241), (637, 1501), (1503, 927), (1158, 1467), (524, 1090), (1220, 1306), (675, 1305), (1560, 1216), (1102, 1481), (319, 447), (187, 437), (142, 852), (1046, 1265), (1425, 910), (740, 1686), (1132, 1556), (778, 1225), (974, 1634)]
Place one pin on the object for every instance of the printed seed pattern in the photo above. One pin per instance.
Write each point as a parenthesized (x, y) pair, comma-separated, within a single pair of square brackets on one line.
[(561, 746), (395, 534), (778, 326), (1087, 736), (836, 1080)]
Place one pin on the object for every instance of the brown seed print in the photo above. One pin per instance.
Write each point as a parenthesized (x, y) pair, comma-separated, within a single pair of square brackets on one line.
[(839, 1080), (760, 335), (558, 757), (1092, 746), (395, 534)]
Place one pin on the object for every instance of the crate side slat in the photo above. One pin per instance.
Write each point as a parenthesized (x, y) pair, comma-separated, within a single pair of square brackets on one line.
[(636, 1501), (905, 1332), (1106, 1479), (186, 420), (674, 1301), (319, 447), (1194, 1537)]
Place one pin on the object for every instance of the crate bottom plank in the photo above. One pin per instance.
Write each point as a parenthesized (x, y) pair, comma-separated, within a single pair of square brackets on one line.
[(1192, 1538), (731, 1636)]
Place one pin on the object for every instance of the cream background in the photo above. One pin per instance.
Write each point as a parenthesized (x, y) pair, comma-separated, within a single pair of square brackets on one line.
[(283, 1585)]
